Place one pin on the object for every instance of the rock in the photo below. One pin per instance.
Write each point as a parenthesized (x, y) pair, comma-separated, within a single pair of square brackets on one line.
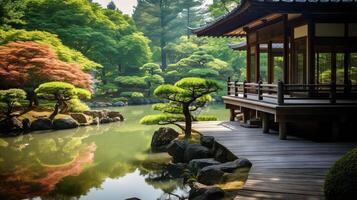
[(118, 104), (117, 119), (41, 124), (162, 138), (15, 124), (197, 164), (176, 149), (176, 169), (64, 123), (207, 141), (196, 151), (203, 192), (95, 121), (105, 120), (96, 113), (210, 175), (26, 124), (221, 154), (113, 114), (213, 174), (80, 118)]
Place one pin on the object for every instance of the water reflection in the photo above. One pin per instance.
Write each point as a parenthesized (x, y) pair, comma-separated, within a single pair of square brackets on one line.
[(106, 162)]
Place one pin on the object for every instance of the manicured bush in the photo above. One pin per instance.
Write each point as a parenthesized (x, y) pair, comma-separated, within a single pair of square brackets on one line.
[(341, 180), (123, 99), (11, 98), (137, 95), (62, 93)]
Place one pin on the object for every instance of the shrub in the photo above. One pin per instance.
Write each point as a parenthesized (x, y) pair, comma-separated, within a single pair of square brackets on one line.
[(126, 94), (341, 180), (123, 99), (137, 95), (11, 98), (75, 105)]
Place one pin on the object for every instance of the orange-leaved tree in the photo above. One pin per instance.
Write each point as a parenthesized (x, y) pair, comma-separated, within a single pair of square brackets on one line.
[(26, 65)]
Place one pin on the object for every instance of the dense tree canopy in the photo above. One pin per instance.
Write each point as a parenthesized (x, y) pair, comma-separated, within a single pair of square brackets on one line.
[(221, 7), (28, 64), (11, 99), (11, 12)]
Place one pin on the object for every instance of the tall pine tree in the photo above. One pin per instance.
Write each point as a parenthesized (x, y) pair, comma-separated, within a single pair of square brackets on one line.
[(193, 13), (158, 19)]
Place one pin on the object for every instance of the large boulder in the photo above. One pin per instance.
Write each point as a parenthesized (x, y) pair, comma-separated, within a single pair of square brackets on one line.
[(119, 104), (203, 192), (207, 141), (197, 164), (210, 175), (114, 114), (213, 174), (176, 170), (196, 151), (106, 120), (64, 123), (176, 149), (41, 124), (80, 118), (162, 137), (221, 154)]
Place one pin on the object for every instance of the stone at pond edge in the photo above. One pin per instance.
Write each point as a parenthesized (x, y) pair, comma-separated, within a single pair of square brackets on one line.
[(95, 121), (203, 192), (64, 123), (176, 170), (221, 154), (213, 174), (162, 137), (197, 164), (207, 141), (80, 118), (176, 149), (115, 114), (41, 124), (210, 175), (196, 151)]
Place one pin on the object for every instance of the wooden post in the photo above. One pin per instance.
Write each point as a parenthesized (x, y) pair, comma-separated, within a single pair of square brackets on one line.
[(270, 63), (280, 93), (282, 130), (257, 62), (286, 49), (265, 120), (311, 56), (229, 86), (248, 60), (333, 93), (260, 90), (246, 113), (236, 88), (244, 90), (232, 117)]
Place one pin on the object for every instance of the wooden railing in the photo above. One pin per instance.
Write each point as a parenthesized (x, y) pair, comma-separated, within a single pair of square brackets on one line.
[(279, 93)]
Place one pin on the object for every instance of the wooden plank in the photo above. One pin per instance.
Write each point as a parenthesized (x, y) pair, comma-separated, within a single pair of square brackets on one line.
[(291, 169)]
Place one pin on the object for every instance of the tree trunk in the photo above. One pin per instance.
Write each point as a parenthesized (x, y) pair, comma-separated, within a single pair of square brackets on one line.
[(188, 120), (32, 98), (162, 36), (55, 112)]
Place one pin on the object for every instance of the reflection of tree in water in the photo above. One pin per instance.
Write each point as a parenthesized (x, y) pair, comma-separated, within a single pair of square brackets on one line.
[(33, 164)]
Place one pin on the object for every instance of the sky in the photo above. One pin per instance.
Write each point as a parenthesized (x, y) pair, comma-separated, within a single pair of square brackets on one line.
[(126, 6)]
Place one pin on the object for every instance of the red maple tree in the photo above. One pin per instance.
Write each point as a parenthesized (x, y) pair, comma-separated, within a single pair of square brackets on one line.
[(26, 65)]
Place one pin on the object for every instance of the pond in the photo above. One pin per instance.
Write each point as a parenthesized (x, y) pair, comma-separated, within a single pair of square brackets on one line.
[(96, 162)]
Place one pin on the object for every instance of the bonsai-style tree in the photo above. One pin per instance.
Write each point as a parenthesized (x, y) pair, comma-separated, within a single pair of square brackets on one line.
[(11, 98), (153, 76), (61, 93), (187, 95)]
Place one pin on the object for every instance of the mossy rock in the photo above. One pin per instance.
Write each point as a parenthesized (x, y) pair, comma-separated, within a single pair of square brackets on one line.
[(341, 180)]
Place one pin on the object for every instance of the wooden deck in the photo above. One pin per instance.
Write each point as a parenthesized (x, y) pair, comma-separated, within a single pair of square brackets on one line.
[(282, 169)]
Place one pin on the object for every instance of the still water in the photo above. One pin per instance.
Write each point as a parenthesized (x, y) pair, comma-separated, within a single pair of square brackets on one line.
[(110, 161)]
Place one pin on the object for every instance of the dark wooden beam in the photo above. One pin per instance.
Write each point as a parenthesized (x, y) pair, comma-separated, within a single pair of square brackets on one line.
[(257, 62), (248, 60), (286, 49), (270, 63)]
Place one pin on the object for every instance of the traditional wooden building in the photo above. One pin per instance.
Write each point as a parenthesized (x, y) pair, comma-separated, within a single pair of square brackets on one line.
[(301, 64)]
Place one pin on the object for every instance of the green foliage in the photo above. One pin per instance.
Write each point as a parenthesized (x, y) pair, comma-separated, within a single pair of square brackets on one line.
[(63, 52), (118, 99), (221, 7), (61, 91), (151, 69), (75, 105), (205, 118), (11, 12), (107, 89), (12, 98), (137, 95), (161, 119), (341, 180), (131, 82)]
